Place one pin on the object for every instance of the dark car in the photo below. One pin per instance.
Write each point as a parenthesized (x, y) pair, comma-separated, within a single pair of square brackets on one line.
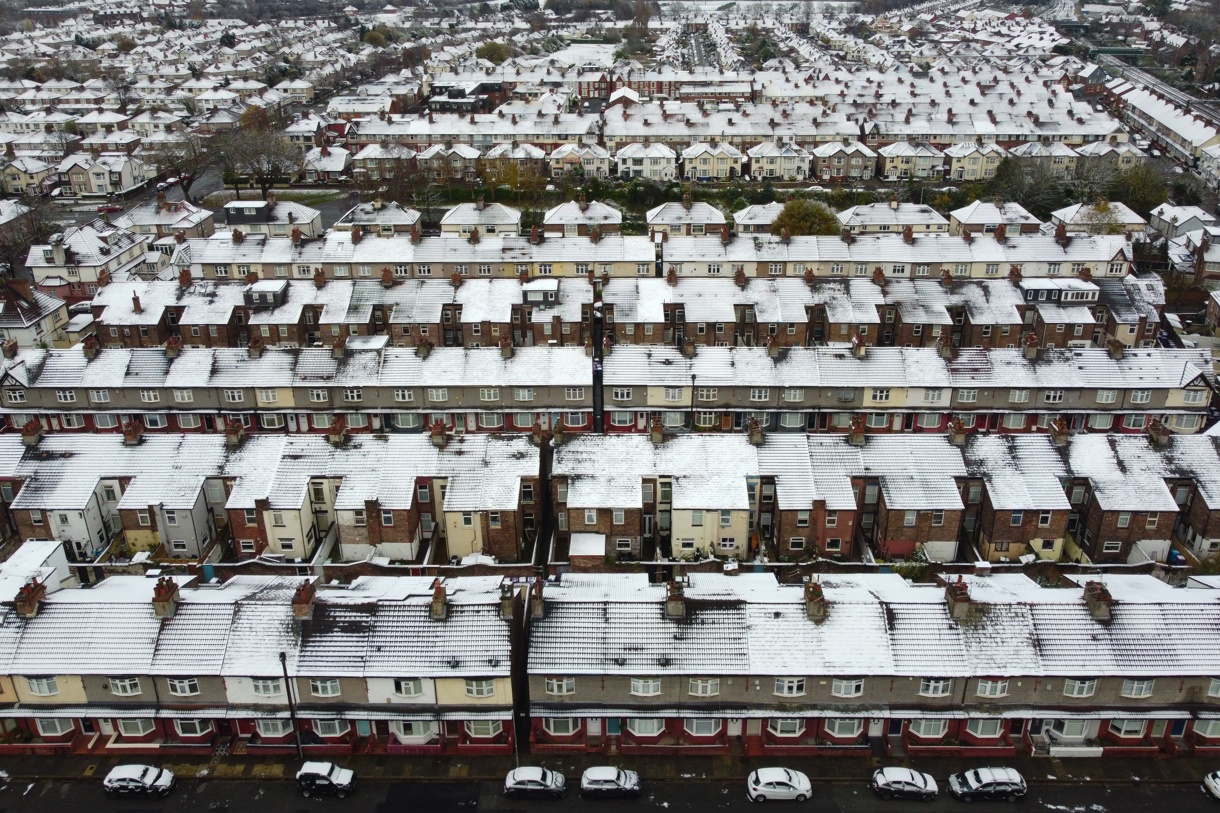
[(138, 780), (606, 780), (107, 208), (987, 783), (536, 782), (903, 783), (325, 779)]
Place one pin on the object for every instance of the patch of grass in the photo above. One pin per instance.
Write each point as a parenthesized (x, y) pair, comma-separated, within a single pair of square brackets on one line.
[(303, 197)]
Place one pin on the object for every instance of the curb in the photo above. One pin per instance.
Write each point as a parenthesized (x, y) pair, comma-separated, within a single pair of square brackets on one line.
[(497, 779)]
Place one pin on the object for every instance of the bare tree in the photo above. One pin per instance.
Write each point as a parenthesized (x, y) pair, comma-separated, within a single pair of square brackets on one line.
[(268, 159), (1093, 177), (32, 228), (187, 157)]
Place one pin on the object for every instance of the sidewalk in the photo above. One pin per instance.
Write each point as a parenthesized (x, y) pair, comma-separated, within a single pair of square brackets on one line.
[(839, 770)]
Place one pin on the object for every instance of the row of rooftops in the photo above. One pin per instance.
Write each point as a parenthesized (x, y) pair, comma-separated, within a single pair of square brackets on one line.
[(659, 366), (872, 625), (372, 627), (644, 300), (864, 625), (338, 247), (483, 472), (707, 471), (914, 472)]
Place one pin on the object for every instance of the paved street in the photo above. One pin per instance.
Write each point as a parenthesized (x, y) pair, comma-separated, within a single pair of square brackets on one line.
[(692, 795)]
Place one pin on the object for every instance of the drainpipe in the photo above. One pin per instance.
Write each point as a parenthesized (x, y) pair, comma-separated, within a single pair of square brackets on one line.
[(292, 711)]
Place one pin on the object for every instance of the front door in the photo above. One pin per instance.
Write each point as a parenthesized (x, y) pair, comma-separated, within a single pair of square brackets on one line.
[(734, 726), (106, 727)]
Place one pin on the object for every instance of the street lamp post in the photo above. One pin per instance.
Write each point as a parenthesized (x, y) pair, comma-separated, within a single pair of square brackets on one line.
[(292, 711)]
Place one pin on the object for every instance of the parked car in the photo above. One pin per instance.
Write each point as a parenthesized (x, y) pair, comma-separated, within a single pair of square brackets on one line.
[(903, 783), (1211, 785), (607, 780), (537, 782), (325, 779), (778, 783), (141, 780), (107, 208), (987, 783)]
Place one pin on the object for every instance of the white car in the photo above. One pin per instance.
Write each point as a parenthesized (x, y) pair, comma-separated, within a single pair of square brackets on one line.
[(778, 783), (142, 780), (535, 782), (1211, 784)]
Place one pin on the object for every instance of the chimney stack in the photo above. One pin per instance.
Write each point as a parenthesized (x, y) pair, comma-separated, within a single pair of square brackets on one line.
[(957, 594), (440, 601), (165, 597), (1099, 601), (675, 601), (1030, 345), (506, 347), (303, 600), (173, 347), (133, 433), (31, 433), (437, 433), (1116, 349), (756, 435), (9, 348), (29, 598), (855, 435), (815, 602), (508, 597), (338, 349), (235, 433), (537, 602), (255, 348), (91, 346)]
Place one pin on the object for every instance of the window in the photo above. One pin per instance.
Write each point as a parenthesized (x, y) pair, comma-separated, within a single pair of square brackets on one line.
[(789, 687), (489, 393), (408, 687), (928, 729), (652, 686), (847, 687), (17, 396), (844, 727), (480, 687), (438, 394), (760, 394), (702, 726), (331, 728), (794, 394), (935, 687), (193, 728), (1018, 396), (1192, 396), (183, 687), (523, 394), (1124, 519), (1073, 687), (563, 685), (1127, 728), (881, 396), (992, 688), (704, 687), (1213, 688), (561, 726), (234, 396), (136, 728), (673, 393), (328, 687), (985, 727), (268, 396), (574, 393), (706, 394), (645, 727), (1141, 396), (273, 728), (1016, 518), (1137, 688), (353, 394), (786, 728), (908, 519), (42, 686), (484, 728), (125, 686), (65, 396), (96, 396), (967, 396), (54, 726), (267, 687)]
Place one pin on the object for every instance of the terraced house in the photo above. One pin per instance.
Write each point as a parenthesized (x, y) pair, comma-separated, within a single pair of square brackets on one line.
[(171, 666), (977, 667)]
